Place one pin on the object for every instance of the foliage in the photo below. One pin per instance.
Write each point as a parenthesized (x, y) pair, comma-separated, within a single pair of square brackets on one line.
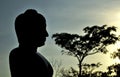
[(89, 68), (116, 54), (68, 73), (89, 71), (114, 69), (95, 40)]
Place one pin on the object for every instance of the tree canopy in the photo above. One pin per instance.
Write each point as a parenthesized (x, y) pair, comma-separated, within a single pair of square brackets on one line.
[(94, 40)]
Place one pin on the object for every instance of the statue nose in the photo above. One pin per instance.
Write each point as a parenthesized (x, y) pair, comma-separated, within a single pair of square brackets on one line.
[(47, 34)]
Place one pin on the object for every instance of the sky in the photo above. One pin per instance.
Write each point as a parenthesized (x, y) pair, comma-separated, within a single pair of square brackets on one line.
[(69, 16)]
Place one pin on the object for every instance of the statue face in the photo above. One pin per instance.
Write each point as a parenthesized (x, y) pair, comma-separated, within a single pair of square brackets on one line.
[(31, 29), (39, 37)]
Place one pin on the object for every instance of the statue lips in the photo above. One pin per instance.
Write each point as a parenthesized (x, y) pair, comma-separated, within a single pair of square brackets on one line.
[(41, 41)]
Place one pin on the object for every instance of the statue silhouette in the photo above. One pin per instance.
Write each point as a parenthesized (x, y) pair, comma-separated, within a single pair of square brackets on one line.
[(24, 60)]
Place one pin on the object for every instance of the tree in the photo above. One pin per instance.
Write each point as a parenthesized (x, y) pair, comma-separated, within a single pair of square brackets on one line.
[(116, 54), (95, 40), (89, 68), (115, 69), (68, 72), (88, 71)]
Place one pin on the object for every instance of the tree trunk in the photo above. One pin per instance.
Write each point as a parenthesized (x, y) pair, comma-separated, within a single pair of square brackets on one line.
[(80, 69)]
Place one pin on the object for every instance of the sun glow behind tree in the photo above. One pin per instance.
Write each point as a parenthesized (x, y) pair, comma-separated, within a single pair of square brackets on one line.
[(95, 40), (114, 19)]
